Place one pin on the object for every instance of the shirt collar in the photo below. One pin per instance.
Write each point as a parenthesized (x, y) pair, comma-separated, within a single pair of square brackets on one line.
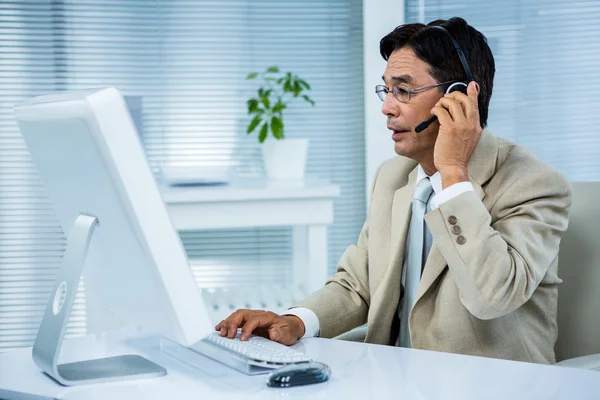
[(436, 179)]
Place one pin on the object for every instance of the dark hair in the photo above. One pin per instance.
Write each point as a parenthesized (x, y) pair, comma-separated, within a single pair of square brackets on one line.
[(435, 48)]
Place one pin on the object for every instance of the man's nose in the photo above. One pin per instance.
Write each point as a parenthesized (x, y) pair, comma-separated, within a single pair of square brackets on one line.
[(390, 106)]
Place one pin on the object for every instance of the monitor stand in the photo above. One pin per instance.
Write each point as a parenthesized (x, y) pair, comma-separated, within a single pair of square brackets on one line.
[(48, 341)]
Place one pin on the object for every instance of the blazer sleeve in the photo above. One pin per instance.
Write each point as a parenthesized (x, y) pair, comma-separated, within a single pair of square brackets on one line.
[(343, 303), (498, 260)]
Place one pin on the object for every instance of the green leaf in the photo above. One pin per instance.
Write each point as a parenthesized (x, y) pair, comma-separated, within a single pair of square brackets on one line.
[(254, 123), (297, 89), (305, 97), (266, 102), (280, 80), (304, 84), (273, 68), (263, 132), (277, 128), (279, 107), (261, 92), (252, 75), (287, 86), (253, 106)]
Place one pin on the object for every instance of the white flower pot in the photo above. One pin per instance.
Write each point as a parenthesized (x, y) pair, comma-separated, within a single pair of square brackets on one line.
[(285, 160)]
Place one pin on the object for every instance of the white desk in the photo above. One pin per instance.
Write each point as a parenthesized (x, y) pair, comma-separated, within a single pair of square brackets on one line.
[(360, 371), (309, 209)]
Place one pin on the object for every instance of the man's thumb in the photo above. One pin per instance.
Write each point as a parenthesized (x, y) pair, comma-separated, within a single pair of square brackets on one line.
[(473, 89), (274, 334)]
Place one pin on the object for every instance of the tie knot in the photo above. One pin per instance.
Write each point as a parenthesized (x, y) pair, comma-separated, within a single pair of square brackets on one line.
[(423, 190)]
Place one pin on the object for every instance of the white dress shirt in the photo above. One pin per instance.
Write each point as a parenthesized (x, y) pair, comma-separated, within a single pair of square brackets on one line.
[(309, 318)]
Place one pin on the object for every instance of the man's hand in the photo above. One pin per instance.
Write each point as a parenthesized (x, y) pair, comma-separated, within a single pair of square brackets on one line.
[(285, 329), (458, 135)]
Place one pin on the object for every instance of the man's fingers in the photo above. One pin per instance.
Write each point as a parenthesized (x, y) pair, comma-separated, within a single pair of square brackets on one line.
[(260, 320), (442, 115), (462, 99), (237, 320), (454, 109), (228, 327), (469, 105), (262, 323), (222, 327)]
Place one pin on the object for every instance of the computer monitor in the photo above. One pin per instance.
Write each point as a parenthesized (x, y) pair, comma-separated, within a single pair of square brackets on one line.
[(92, 164)]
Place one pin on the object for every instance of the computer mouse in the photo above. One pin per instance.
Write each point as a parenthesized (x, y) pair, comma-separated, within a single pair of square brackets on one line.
[(299, 374)]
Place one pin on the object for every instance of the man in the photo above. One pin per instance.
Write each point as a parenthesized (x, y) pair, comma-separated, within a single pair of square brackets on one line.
[(479, 217)]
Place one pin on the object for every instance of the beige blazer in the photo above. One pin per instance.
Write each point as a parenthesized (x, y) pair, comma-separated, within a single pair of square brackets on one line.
[(489, 285)]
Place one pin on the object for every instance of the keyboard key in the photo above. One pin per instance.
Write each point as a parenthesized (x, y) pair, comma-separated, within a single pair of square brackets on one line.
[(258, 348)]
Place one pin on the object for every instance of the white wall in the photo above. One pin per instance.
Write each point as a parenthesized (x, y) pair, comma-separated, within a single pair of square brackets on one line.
[(380, 17)]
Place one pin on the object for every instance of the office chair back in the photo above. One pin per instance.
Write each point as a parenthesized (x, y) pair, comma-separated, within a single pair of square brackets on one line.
[(579, 267)]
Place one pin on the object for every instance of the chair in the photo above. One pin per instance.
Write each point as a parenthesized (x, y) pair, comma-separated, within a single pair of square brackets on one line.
[(578, 342)]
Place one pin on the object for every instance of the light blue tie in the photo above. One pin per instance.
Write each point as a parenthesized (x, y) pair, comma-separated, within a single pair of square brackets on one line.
[(415, 255)]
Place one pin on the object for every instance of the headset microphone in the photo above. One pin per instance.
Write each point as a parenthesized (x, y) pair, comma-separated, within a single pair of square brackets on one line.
[(456, 86)]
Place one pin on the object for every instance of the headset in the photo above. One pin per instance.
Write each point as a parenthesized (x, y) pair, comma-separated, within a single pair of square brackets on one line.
[(456, 86)]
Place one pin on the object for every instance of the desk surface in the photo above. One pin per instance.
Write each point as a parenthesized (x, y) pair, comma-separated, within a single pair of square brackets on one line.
[(359, 371)]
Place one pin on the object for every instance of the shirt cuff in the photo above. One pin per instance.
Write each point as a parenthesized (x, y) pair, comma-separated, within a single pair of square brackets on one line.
[(449, 193), (309, 318)]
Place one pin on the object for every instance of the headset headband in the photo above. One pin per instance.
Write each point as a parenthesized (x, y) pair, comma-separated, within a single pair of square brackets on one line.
[(459, 51)]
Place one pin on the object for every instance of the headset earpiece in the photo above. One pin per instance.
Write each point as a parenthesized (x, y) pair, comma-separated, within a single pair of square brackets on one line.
[(457, 87)]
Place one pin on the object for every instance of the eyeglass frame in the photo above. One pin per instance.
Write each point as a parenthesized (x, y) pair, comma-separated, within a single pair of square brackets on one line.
[(383, 88)]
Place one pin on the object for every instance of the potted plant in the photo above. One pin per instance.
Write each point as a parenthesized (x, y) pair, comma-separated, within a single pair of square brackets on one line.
[(284, 158)]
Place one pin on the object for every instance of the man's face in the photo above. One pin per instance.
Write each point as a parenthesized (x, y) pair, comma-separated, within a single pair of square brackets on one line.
[(402, 118)]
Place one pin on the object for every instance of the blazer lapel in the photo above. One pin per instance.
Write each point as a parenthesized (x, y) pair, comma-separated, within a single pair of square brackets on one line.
[(482, 163), (385, 300), (401, 213)]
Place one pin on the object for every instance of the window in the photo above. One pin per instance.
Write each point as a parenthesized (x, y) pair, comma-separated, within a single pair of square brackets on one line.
[(187, 62), (547, 62)]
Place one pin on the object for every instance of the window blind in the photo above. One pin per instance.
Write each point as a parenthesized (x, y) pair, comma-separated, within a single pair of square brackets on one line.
[(546, 85), (31, 239), (186, 61)]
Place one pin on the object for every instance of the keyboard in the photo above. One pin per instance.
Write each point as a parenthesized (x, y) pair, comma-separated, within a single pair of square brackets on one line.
[(253, 356)]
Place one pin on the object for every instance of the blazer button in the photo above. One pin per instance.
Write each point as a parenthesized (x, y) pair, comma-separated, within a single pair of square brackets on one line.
[(452, 220), (461, 240), (456, 230)]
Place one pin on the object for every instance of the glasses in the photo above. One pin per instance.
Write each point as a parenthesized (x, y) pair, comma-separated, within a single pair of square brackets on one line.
[(402, 92)]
